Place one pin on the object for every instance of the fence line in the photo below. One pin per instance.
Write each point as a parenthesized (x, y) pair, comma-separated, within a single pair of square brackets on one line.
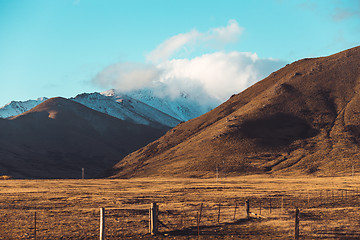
[(198, 216)]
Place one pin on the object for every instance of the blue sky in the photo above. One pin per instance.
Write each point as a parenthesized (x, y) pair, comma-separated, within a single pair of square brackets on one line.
[(66, 47)]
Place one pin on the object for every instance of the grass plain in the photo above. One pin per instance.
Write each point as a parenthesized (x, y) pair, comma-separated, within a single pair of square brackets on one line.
[(69, 209)]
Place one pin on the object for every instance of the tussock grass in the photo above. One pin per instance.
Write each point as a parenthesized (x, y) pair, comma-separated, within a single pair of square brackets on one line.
[(69, 209)]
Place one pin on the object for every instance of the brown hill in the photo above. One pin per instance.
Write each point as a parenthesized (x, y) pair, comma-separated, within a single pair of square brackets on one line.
[(304, 118), (59, 137)]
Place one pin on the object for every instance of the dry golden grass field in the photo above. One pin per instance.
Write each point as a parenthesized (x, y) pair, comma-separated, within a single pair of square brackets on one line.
[(69, 209)]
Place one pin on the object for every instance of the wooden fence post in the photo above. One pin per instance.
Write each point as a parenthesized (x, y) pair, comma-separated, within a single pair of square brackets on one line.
[(346, 194), (270, 205), (181, 221), (308, 200), (35, 225), (297, 224), (260, 207), (235, 210), (321, 200), (198, 223), (327, 196), (153, 219), (102, 223), (219, 213), (247, 208), (201, 209), (82, 173)]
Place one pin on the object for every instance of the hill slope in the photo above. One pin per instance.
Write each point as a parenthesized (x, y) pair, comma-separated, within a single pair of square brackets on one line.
[(304, 118), (59, 137)]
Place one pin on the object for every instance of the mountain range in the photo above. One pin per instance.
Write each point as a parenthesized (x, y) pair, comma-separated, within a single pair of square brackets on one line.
[(301, 119), (55, 138), (139, 106), (18, 107), (59, 137)]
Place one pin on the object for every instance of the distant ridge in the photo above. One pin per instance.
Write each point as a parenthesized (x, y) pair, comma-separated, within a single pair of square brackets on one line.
[(18, 107), (301, 119), (127, 108), (59, 137), (142, 106)]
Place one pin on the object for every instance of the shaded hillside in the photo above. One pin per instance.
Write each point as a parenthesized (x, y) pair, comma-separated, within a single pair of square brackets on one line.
[(304, 118), (59, 137)]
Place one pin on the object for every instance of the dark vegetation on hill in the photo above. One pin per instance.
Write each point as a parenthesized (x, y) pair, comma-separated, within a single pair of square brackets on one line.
[(301, 119)]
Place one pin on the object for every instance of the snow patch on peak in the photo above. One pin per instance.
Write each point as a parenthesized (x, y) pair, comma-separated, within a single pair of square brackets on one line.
[(183, 106), (109, 93)]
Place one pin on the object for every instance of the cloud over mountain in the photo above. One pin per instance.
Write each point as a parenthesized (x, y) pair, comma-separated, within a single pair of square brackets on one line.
[(220, 74), (216, 73), (127, 76), (190, 41)]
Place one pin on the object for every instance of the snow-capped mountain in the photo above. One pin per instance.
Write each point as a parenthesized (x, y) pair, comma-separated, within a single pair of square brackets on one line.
[(183, 107), (17, 107), (139, 106), (126, 108)]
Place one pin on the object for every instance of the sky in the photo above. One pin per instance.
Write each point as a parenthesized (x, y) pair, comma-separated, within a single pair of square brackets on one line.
[(67, 47)]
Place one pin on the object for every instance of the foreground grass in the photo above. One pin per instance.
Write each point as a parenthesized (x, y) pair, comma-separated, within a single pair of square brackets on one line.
[(69, 209)]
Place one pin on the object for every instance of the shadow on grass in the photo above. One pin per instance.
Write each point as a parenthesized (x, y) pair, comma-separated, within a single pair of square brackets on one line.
[(209, 230)]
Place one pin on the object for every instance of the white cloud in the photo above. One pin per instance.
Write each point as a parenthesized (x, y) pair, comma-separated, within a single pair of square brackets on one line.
[(171, 46), (228, 34), (127, 76), (216, 75), (187, 41), (221, 74)]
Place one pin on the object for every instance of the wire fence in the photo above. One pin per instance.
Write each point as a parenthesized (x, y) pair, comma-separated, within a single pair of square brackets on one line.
[(191, 219)]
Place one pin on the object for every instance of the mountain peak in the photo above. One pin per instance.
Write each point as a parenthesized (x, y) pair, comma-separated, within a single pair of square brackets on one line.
[(54, 103), (110, 93)]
